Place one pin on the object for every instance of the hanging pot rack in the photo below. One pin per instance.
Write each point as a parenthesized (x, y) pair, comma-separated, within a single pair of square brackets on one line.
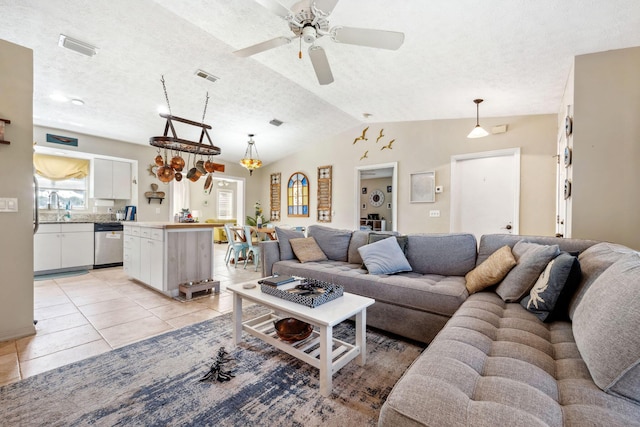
[(177, 144)]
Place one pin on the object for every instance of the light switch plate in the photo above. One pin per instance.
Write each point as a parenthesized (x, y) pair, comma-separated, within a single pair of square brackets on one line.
[(8, 204)]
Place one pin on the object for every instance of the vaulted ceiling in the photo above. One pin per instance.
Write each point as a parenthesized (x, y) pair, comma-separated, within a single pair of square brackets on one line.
[(516, 54)]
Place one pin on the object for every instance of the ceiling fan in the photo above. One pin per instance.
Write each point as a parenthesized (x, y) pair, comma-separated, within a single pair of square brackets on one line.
[(308, 20)]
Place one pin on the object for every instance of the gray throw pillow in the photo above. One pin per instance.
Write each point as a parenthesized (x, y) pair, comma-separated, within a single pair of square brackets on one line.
[(358, 238), (532, 259), (561, 272), (384, 257), (402, 240), (284, 235), (333, 242)]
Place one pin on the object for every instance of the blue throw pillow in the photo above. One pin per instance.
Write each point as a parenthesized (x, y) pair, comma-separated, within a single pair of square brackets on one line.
[(384, 257), (560, 273)]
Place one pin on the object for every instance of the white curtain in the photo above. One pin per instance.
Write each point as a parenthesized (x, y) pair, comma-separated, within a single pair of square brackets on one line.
[(180, 195)]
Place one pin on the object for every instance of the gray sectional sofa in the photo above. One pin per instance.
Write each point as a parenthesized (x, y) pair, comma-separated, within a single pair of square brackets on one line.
[(491, 362)]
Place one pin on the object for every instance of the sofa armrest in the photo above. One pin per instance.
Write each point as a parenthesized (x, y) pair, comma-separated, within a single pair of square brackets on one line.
[(270, 253)]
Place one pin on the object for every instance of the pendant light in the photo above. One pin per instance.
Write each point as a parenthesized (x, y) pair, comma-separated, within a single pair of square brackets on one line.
[(478, 131), (249, 161)]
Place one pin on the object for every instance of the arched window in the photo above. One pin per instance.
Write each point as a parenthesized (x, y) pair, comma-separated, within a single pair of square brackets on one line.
[(298, 195)]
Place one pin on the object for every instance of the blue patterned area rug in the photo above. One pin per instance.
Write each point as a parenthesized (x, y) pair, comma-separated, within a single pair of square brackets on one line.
[(157, 382)]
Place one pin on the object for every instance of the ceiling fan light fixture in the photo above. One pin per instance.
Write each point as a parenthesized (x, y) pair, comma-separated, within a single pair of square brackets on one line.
[(251, 161), (478, 131)]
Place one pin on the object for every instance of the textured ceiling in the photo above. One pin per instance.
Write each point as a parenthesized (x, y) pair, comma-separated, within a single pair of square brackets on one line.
[(516, 54)]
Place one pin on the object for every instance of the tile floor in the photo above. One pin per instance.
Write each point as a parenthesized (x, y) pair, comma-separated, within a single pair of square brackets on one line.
[(82, 316)]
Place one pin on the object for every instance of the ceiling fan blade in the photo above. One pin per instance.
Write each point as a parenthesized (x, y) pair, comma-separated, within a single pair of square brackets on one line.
[(275, 8), (366, 37), (320, 65), (261, 47), (326, 6)]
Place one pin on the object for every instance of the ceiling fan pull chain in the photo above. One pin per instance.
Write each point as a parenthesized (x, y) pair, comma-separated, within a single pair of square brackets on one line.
[(300, 51)]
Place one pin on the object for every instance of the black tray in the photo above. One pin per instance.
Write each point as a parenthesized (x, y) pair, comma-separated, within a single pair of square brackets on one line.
[(326, 292)]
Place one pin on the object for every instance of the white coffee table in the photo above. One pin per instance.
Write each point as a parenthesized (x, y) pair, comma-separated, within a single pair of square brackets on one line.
[(320, 350)]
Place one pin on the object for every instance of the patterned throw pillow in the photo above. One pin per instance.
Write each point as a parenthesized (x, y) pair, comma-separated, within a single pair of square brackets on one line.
[(562, 272), (307, 250), (490, 271)]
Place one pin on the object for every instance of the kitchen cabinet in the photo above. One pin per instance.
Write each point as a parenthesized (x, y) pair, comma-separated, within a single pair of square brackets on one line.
[(63, 246), (110, 179), (163, 255)]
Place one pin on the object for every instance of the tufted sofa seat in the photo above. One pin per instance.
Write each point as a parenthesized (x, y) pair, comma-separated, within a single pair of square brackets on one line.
[(496, 364)]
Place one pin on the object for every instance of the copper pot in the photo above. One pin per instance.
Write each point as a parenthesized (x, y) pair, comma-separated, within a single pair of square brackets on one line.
[(209, 166), (200, 167), (165, 173), (177, 163), (178, 176), (159, 160), (194, 174), (208, 182)]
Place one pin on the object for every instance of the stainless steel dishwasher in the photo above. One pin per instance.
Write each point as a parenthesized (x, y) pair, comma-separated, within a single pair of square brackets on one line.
[(108, 244)]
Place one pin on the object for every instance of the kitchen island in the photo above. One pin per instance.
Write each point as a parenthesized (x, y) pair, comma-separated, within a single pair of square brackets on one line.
[(163, 255)]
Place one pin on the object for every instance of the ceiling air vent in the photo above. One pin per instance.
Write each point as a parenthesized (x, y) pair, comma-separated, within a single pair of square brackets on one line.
[(77, 45), (275, 122), (208, 76)]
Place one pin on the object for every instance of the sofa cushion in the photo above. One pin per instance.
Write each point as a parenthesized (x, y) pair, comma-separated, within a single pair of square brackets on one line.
[(284, 235), (593, 262), (333, 242), (384, 257), (562, 272), (491, 271), (306, 249), (532, 259), (442, 254), (402, 240), (605, 326), (358, 238)]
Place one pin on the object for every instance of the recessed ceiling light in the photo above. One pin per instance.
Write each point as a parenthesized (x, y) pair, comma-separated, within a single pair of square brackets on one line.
[(77, 101), (58, 97)]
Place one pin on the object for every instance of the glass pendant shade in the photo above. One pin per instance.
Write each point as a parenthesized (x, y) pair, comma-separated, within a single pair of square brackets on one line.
[(249, 161), (478, 131)]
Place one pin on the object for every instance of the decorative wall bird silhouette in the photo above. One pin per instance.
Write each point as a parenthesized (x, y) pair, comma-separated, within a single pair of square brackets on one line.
[(388, 145), (380, 136), (364, 156), (363, 136)]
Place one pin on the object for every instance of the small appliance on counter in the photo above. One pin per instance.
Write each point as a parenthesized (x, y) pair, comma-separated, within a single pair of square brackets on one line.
[(129, 213), (120, 214)]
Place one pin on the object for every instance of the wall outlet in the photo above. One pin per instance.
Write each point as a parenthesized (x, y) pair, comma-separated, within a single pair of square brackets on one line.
[(434, 214), (109, 210)]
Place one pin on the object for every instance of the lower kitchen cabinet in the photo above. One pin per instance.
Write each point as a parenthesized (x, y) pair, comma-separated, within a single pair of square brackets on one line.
[(164, 255), (63, 246)]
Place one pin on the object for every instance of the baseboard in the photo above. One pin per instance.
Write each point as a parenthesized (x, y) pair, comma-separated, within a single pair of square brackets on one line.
[(18, 333)]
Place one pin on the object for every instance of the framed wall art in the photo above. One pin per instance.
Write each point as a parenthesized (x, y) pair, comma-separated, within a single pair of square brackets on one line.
[(423, 187)]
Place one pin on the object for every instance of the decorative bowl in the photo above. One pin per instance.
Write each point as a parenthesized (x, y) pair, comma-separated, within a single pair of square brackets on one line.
[(290, 329)]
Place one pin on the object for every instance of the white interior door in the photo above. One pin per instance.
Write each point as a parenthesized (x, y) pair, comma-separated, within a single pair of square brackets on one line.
[(485, 192)]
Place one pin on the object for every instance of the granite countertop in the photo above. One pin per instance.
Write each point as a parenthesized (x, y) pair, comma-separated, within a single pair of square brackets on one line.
[(170, 225)]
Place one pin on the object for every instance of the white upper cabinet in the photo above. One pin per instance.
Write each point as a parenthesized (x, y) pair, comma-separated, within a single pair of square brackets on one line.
[(110, 179)]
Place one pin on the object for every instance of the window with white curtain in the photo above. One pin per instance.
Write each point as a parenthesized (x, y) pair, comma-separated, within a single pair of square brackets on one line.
[(225, 204)]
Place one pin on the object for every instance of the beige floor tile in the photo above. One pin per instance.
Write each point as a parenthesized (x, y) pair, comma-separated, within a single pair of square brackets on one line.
[(44, 283), (7, 347), (195, 317), (32, 367), (40, 345), (152, 300), (48, 301), (60, 323), (129, 332), (106, 306), (73, 279), (116, 317), (9, 368), (175, 309), (54, 311), (92, 298)]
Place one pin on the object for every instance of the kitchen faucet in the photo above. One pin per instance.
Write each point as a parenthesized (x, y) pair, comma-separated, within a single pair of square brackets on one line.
[(57, 200)]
